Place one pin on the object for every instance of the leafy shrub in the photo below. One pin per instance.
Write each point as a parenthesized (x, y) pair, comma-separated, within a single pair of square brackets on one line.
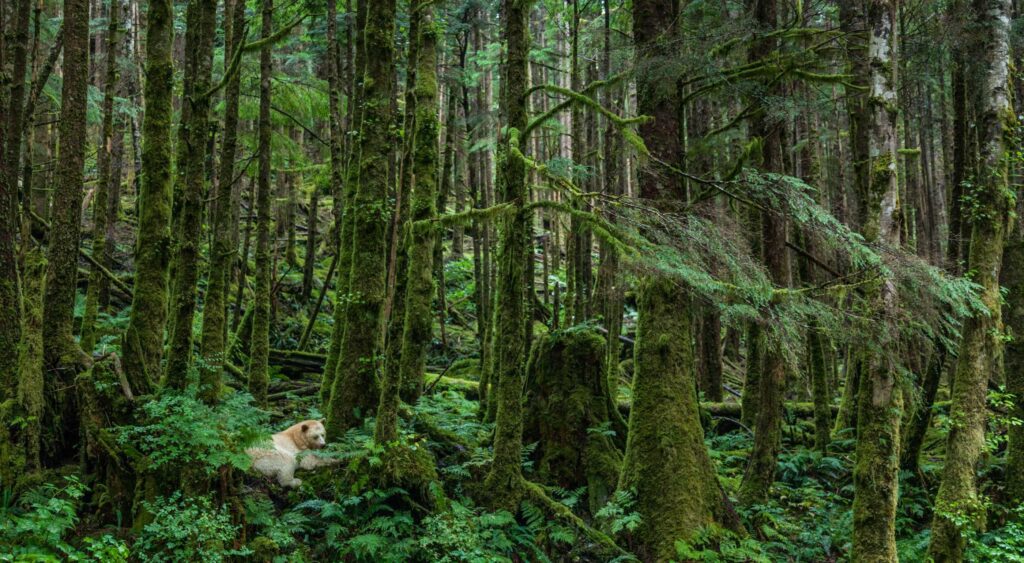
[(179, 429), (35, 531), (187, 529)]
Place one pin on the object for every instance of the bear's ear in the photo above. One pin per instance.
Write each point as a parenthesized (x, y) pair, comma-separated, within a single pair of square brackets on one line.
[(322, 421), (304, 427)]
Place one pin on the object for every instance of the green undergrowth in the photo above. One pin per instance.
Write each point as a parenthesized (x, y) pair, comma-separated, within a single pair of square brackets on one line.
[(361, 509)]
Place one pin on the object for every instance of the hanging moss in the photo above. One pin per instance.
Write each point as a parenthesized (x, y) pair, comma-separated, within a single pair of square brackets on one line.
[(567, 414)]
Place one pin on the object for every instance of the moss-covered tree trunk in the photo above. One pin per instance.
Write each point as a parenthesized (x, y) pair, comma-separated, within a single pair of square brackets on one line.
[(398, 237), (10, 283), (63, 357), (193, 133), (958, 506), (419, 288), (879, 398), (143, 340), (760, 472), (666, 464), (11, 100), (504, 481), (100, 217), (259, 351), (213, 342), (61, 350), (346, 183), (1012, 279), (31, 379), (354, 393)]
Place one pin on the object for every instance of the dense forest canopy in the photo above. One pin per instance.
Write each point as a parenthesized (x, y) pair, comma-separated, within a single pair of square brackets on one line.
[(514, 280)]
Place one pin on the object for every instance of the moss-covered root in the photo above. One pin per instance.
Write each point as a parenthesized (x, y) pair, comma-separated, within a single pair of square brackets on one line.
[(602, 545), (666, 464), (567, 408), (106, 401)]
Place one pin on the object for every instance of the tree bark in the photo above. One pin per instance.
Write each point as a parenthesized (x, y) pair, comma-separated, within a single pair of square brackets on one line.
[(958, 506)]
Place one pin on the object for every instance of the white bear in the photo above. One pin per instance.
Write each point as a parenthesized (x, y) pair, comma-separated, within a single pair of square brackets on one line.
[(281, 462)]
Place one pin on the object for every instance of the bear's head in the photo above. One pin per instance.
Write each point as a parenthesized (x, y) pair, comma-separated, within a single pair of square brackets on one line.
[(314, 434)]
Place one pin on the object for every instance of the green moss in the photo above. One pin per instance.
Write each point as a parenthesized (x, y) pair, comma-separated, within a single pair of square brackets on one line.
[(354, 392), (567, 414), (189, 190), (259, 351), (31, 383), (416, 333), (666, 463), (143, 340)]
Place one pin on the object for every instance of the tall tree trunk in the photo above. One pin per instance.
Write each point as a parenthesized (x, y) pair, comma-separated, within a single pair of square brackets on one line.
[(354, 393), (420, 282), (677, 492), (60, 351), (504, 481), (193, 132), (213, 342), (760, 471), (259, 353), (10, 283), (879, 399), (143, 340), (957, 505), (100, 216), (344, 192), (58, 304)]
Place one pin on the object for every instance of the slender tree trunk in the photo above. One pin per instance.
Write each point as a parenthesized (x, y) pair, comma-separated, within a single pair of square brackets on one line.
[(213, 343), (504, 481), (958, 506), (760, 471), (259, 352), (100, 217), (420, 283), (880, 400), (143, 340), (10, 283), (346, 185), (201, 16)]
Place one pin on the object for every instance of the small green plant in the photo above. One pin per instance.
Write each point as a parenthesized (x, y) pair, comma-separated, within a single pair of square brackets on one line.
[(187, 529), (35, 529)]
